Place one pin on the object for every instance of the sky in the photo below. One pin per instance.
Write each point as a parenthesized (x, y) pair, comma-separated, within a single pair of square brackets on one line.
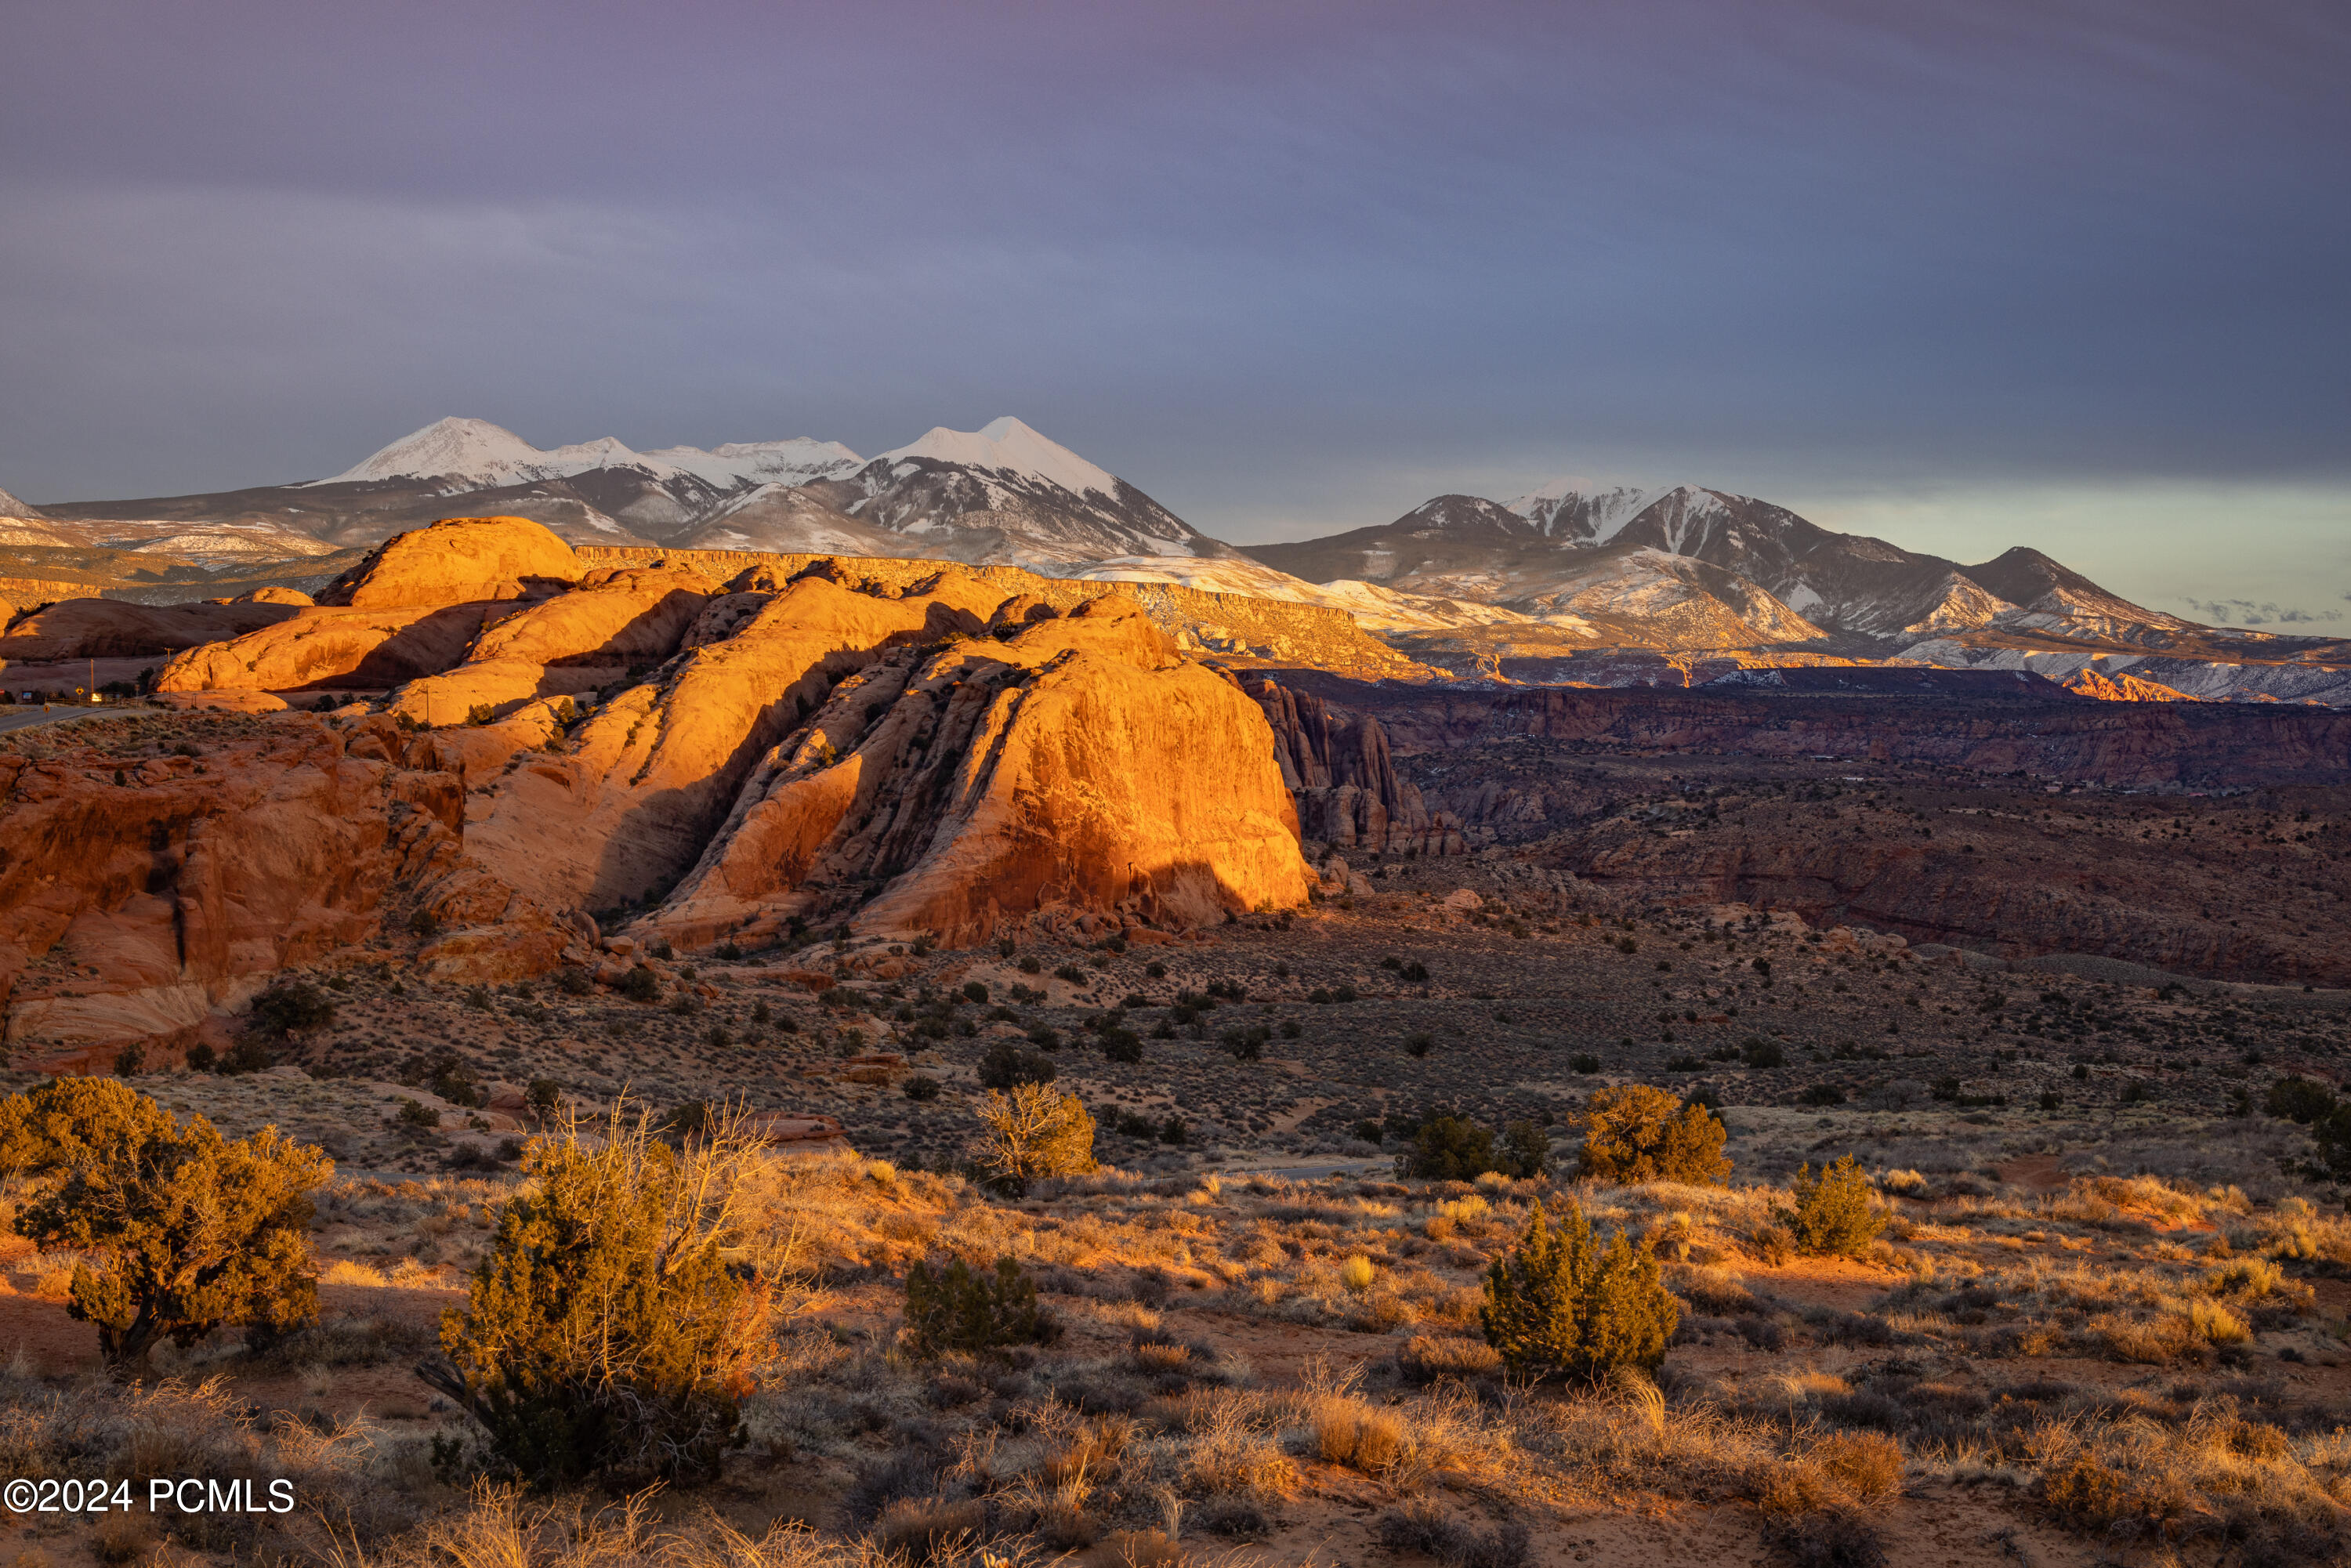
[(2076, 275)]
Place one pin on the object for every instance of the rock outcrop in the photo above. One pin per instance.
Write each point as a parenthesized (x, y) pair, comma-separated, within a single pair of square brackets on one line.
[(2121, 688), (116, 629), (906, 751), (129, 909), (458, 560), (143, 890), (1339, 773), (1077, 769), (613, 624), (628, 807), (330, 649)]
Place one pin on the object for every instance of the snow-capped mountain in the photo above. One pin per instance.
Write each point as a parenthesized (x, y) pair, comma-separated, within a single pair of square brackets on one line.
[(474, 454), (1000, 493), (1831, 583), (11, 508), (1005, 494)]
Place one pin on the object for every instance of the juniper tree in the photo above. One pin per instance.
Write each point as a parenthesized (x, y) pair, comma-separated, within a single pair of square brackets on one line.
[(1634, 1134), (1559, 1305), (196, 1232)]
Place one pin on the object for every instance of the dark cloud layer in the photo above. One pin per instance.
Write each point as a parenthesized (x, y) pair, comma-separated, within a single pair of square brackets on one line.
[(1285, 266)]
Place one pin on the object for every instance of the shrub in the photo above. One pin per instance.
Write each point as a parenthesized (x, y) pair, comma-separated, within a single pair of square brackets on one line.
[(2333, 1132), (604, 1331), (290, 1005), (1583, 1062), (922, 1088), (1821, 1095), (1419, 1044), (1357, 1273), (1636, 1134), (1526, 1152), (1557, 1305), (976, 992), (1033, 1130), (1763, 1054), (1833, 1216), (1419, 1528), (1447, 1148), (1122, 1045), (2300, 1100), (975, 1313), (196, 1231), (640, 984), (417, 1113), (1007, 1066)]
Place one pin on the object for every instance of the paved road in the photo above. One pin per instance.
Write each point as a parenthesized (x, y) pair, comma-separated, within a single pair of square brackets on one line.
[(22, 717)]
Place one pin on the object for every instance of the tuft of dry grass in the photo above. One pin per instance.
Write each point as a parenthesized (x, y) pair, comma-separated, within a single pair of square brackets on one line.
[(1426, 1358)]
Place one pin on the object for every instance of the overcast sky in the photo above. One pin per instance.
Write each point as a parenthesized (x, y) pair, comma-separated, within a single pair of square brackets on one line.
[(2076, 275)]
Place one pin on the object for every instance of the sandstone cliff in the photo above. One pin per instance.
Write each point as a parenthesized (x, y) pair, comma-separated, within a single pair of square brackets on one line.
[(1077, 770), (1342, 780), (129, 909)]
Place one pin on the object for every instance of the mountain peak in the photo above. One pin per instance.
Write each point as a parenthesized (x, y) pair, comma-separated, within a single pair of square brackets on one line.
[(1009, 445), (469, 449), (10, 506)]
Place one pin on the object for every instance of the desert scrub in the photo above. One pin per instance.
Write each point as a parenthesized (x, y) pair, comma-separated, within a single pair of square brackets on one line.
[(1633, 1133), (978, 1313), (604, 1332), (1559, 1305), (1833, 1216), (1032, 1131)]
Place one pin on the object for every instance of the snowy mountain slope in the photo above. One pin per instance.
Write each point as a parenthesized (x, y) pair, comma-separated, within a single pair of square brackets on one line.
[(11, 508), (1007, 446), (1006, 495), (1563, 510), (789, 519)]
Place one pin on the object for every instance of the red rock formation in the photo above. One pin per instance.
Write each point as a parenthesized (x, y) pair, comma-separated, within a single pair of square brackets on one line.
[(1344, 782), (128, 911), (629, 806), (457, 561), (333, 650), (115, 628), (1061, 769), (571, 644), (2121, 688)]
